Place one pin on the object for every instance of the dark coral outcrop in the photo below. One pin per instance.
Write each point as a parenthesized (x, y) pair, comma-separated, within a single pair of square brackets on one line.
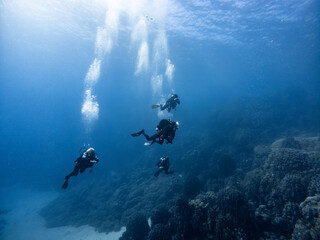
[(137, 228), (308, 226)]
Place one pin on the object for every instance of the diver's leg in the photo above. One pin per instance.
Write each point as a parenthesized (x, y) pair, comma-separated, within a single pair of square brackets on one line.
[(74, 172), (168, 172), (138, 133), (156, 141), (65, 184), (163, 107), (152, 138), (161, 141), (66, 179), (157, 173)]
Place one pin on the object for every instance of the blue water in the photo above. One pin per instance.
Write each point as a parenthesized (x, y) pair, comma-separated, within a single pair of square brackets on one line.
[(221, 51)]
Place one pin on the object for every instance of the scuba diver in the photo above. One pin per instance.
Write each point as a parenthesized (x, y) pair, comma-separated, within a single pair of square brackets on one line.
[(86, 160), (171, 103), (166, 130), (163, 164)]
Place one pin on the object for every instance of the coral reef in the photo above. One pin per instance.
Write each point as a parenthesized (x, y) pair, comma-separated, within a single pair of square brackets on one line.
[(276, 198), (159, 232), (308, 226), (277, 188), (268, 202), (108, 205), (192, 186), (137, 228)]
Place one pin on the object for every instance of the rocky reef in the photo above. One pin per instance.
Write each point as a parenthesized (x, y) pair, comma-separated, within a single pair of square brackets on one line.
[(308, 225), (108, 205), (278, 197), (278, 200)]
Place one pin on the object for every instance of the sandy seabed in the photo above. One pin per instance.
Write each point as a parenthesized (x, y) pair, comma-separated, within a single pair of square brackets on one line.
[(22, 220)]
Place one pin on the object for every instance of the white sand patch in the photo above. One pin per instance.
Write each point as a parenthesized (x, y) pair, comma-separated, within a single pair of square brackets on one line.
[(23, 221)]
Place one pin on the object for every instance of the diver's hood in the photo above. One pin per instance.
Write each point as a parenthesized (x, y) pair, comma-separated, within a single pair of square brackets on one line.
[(90, 152)]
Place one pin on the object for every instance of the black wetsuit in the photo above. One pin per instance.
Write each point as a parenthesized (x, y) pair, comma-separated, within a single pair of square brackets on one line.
[(171, 103), (163, 165), (82, 163), (165, 131)]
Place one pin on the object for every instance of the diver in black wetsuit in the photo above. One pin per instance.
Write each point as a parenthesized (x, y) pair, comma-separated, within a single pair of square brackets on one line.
[(163, 165), (86, 160), (166, 130), (171, 103)]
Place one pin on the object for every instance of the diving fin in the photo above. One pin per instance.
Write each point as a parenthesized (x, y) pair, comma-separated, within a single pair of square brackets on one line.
[(65, 184), (155, 106)]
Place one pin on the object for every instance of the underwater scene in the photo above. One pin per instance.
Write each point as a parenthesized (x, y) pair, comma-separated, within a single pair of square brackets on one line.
[(160, 120)]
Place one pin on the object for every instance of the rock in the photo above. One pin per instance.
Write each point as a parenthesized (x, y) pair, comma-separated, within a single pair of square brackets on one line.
[(290, 142), (282, 161), (263, 214), (192, 186), (160, 216), (308, 226), (136, 229), (160, 232), (261, 150)]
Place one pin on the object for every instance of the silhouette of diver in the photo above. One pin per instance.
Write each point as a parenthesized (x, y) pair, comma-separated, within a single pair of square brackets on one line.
[(163, 165), (166, 130), (171, 103), (86, 160)]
